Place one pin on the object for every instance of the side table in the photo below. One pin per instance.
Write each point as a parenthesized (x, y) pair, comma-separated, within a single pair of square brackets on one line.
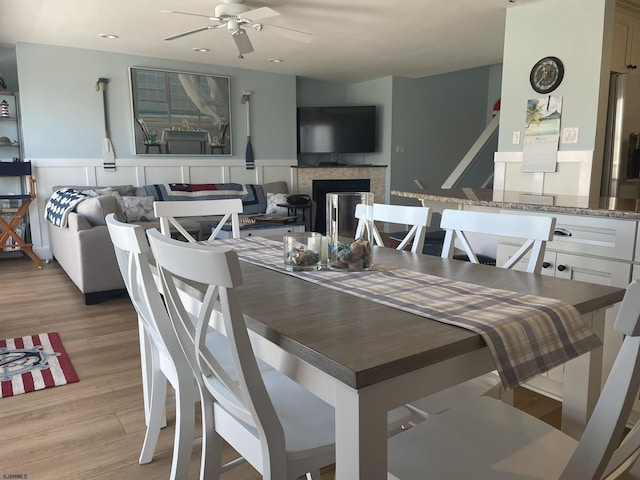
[(292, 210), (258, 229)]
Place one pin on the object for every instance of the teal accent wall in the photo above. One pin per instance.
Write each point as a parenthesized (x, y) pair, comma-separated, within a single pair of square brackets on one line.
[(62, 115)]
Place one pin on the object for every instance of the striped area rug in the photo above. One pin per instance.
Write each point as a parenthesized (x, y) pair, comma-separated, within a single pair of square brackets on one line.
[(33, 363)]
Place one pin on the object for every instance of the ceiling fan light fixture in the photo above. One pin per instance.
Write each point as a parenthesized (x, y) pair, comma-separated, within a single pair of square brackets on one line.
[(242, 41)]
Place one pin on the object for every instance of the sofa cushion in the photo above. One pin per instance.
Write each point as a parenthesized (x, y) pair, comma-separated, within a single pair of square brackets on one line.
[(94, 209), (121, 189), (275, 187), (138, 209)]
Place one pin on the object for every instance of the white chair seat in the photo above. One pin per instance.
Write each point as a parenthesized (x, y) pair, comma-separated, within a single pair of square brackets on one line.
[(292, 403), (481, 439)]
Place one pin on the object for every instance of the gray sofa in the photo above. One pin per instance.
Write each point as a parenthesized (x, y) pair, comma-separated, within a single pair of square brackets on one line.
[(83, 248)]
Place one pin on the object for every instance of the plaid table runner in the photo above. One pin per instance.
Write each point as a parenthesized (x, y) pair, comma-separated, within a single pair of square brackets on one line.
[(526, 334)]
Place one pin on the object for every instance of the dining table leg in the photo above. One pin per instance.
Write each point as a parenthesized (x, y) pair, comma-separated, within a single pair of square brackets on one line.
[(582, 380), (361, 435)]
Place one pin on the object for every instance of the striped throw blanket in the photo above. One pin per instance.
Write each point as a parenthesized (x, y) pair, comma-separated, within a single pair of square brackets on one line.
[(526, 334)]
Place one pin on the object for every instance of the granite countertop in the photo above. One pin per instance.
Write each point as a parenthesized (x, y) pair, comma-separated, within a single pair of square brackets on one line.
[(625, 208)]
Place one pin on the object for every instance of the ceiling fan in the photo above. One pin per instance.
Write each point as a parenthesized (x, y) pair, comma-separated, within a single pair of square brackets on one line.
[(236, 15)]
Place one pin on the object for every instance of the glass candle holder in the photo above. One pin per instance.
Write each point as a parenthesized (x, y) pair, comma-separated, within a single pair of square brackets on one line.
[(302, 251), (349, 231)]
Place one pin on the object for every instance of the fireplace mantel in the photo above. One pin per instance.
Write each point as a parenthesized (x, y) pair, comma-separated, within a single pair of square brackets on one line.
[(302, 177)]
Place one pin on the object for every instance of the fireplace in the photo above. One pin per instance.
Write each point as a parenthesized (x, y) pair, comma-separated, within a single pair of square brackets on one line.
[(320, 188)]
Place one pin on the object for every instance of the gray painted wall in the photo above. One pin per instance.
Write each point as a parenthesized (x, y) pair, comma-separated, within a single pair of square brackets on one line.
[(9, 68), (571, 30), (435, 119), (435, 122), (62, 114)]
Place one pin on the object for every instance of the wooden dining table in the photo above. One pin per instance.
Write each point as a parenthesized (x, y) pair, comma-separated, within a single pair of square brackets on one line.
[(366, 358)]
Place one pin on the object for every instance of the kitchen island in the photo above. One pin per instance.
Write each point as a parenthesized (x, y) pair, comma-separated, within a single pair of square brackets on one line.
[(627, 208)]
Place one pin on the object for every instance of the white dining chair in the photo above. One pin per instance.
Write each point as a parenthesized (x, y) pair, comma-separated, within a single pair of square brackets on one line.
[(162, 357), (281, 429), (534, 231), (169, 213), (158, 346), (488, 439), (417, 218)]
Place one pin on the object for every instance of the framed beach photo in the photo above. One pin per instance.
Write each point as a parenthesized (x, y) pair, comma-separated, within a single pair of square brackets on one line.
[(180, 113)]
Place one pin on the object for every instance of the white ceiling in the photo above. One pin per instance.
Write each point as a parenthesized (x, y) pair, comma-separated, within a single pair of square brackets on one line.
[(353, 40)]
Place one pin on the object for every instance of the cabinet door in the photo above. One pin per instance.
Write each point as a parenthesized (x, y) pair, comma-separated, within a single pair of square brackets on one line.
[(622, 33), (633, 54), (592, 270)]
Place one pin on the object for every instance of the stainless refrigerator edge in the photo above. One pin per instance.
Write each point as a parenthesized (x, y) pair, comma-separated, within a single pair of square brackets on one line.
[(621, 166)]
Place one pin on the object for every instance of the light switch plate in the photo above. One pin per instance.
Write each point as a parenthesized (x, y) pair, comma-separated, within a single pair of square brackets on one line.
[(516, 137), (570, 135)]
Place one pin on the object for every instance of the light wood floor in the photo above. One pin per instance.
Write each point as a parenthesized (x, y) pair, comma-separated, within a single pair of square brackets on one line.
[(93, 429)]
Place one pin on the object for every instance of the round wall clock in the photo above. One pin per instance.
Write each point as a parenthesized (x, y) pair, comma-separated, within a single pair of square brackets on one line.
[(546, 74)]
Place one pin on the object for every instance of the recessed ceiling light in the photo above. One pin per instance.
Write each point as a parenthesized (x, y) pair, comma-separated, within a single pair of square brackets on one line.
[(201, 50), (110, 36), (276, 60)]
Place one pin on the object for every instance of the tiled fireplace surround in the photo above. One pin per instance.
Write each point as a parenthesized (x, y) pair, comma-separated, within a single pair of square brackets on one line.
[(375, 174)]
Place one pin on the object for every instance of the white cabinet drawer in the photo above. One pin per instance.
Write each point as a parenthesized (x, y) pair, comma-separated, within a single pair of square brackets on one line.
[(575, 267), (597, 236)]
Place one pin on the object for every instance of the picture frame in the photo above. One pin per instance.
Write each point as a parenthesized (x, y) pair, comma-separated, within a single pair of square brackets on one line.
[(180, 113)]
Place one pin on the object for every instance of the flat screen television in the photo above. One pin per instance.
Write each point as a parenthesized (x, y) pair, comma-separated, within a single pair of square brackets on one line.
[(350, 129)]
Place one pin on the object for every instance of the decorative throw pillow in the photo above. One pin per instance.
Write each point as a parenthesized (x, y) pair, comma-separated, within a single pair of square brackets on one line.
[(114, 192), (138, 209), (272, 203)]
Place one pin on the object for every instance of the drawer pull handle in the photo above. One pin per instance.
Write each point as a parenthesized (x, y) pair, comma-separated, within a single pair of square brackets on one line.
[(546, 264), (562, 268), (562, 232)]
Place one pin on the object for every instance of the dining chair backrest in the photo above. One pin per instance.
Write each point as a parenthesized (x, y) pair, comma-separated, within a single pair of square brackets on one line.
[(241, 392), (535, 230), (170, 211), (133, 254), (145, 130), (599, 449), (165, 352), (220, 141), (417, 218)]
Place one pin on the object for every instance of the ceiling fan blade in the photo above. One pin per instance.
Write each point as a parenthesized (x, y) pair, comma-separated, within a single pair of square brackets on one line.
[(289, 33), (195, 30), (260, 13), (189, 13), (242, 41)]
